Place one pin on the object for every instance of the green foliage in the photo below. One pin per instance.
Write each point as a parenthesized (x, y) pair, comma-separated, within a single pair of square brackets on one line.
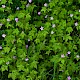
[(39, 40)]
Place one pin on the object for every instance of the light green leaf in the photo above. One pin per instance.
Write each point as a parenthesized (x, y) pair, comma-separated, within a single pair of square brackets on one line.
[(1, 9), (34, 64), (10, 1), (43, 9), (11, 17), (47, 24), (28, 17), (3, 1), (13, 75), (2, 61), (22, 35), (16, 31), (20, 67), (66, 72), (78, 27), (6, 49), (69, 29), (62, 61), (4, 67), (20, 15), (22, 77), (37, 41), (19, 41), (67, 37)]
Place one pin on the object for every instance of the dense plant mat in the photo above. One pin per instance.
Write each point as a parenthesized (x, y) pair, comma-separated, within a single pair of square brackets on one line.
[(39, 40)]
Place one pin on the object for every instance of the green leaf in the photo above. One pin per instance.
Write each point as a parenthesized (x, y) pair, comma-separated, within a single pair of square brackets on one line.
[(20, 15), (47, 25), (6, 49), (28, 17), (66, 72), (1, 9), (19, 24), (78, 27), (8, 25), (13, 49), (78, 41), (47, 52), (34, 64), (4, 67), (20, 67), (16, 31), (52, 4), (2, 61), (10, 1), (33, 73), (43, 9), (56, 46), (9, 39), (67, 37), (3, 1), (21, 53), (62, 61), (19, 40), (37, 41), (75, 47), (11, 17), (22, 77), (27, 26), (53, 40), (14, 74), (55, 59), (69, 29), (22, 35)]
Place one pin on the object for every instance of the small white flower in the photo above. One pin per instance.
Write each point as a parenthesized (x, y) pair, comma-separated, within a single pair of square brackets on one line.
[(28, 39), (76, 24), (8, 19), (30, 1), (79, 10), (46, 16), (1, 24), (27, 5), (68, 52), (26, 46), (26, 59), (0, 0), (3, 6), (39, 13), (51, 18), (7, 62), (4, 35), (14, 57), (69, 78), (53, 25), (17, 8), (22, 31), (62, 55), (77, 56), (41, 28), (49, 0), (52, 32), (45, 4), (71, 15), (16, 19), (0, 47)]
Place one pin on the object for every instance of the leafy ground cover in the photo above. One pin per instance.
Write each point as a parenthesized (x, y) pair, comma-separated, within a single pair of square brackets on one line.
[(39, 40)]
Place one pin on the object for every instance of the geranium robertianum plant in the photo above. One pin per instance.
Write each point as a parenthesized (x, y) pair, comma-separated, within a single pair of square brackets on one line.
[(39, 40)]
